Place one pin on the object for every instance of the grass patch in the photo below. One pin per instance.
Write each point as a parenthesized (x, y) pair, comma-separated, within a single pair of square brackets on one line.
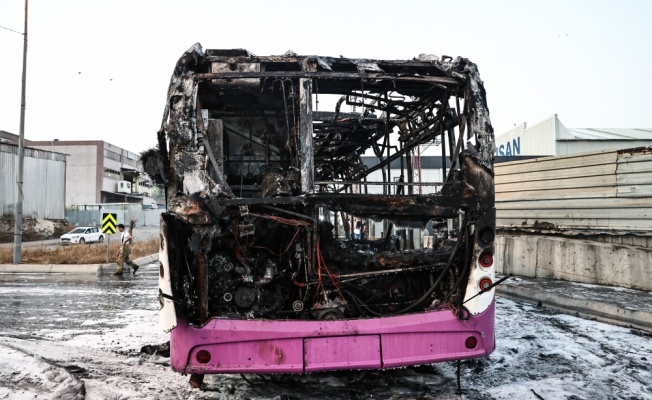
[(79, 253)]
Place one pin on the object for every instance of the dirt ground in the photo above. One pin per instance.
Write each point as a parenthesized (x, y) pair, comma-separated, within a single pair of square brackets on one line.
[(79, 253), (33, 229)]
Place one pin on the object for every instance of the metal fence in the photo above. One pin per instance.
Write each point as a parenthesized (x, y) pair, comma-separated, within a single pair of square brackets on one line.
[(607, 191), (91, 214)]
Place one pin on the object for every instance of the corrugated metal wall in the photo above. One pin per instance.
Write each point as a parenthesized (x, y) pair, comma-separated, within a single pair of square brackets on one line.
[(609, 190), (565, 147), (44, 177)]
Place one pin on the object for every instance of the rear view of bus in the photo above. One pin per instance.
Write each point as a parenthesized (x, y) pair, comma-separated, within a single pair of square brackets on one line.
[(301, 191)]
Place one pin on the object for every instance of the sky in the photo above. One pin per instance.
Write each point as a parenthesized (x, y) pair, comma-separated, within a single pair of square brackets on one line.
[(100, 70)]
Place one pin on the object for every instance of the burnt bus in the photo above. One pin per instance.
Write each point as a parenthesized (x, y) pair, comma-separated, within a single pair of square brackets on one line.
[(258, 272)]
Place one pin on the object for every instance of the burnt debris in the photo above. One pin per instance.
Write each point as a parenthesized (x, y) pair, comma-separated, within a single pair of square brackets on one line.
[(268, 200)]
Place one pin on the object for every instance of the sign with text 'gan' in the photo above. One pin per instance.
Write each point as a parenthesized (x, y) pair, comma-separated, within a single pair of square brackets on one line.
[(109, 222)]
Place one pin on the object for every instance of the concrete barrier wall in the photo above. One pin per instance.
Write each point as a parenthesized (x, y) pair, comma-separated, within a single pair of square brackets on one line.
[(574, 260)]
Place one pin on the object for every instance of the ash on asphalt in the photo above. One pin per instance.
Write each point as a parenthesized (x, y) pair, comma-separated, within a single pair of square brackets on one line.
[(104, 331), (408, 383)]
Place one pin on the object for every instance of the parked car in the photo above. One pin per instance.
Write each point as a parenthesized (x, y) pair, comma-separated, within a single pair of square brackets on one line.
[(81, 235)]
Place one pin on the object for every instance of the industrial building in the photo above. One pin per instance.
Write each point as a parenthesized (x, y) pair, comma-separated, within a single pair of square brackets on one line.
[(551, 138), (99, 172), (95, 171), (44, 177)]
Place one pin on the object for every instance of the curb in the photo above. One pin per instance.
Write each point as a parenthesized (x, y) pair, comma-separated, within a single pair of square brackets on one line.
[(105, 269), (602, 311), (97, 269)]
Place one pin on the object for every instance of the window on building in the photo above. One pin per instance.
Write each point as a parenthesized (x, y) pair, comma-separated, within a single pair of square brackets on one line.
[(129, 162), (111, 173), (112, 155)]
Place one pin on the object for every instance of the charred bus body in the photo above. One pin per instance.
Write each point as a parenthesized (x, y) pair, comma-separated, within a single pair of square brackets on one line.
[(254, 277)]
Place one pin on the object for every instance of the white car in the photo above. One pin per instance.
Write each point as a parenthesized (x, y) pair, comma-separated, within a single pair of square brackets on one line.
[(81, 235)]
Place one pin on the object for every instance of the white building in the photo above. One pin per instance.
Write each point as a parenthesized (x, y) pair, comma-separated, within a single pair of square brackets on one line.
[(99, 172), (551, 138)]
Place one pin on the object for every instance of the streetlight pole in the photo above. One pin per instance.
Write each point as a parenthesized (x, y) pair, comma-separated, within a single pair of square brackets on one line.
[(18, 227)]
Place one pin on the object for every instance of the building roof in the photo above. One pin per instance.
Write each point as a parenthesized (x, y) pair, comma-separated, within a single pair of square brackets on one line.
[(610, 134), (8, 137), (563, 133), (33, 153)]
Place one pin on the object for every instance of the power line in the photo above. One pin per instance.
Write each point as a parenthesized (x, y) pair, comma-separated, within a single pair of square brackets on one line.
[(20, 33)]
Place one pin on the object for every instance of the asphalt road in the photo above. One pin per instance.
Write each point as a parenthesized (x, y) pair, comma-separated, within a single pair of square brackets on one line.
[(62, 333)]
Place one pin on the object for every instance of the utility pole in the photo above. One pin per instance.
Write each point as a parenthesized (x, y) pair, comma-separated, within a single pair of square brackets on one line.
[(18, 227)]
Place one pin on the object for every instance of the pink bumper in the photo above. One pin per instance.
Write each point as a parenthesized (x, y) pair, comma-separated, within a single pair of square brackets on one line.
[(273, 346)]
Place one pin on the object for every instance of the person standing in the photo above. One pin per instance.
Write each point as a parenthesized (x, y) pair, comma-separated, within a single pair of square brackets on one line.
[(357, 232), (125, 251), (428, 235), (399, 188)]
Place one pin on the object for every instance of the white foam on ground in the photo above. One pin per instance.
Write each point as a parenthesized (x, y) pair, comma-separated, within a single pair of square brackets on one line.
[(555, 355)]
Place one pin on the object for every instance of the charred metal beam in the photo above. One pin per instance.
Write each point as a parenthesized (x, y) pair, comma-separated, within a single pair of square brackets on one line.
[(305, 136), (342, 278), (331, 117), (475, 103), (262, 200), (415, 207), (340, 62), (433, 80), (202, 288), (379, 183), (459, 145)]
